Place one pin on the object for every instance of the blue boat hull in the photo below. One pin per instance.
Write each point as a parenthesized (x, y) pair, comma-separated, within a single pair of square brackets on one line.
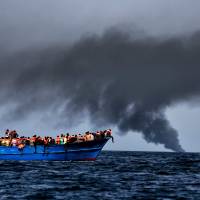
[(71, 152)]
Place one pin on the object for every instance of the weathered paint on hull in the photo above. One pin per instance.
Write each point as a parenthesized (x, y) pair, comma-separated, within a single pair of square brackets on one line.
[(77, 151)]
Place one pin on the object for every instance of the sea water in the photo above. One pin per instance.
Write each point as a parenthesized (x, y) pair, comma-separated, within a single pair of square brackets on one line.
[(115, 175)]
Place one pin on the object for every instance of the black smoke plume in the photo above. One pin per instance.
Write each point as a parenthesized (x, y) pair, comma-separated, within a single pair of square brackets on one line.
[(117, 78)]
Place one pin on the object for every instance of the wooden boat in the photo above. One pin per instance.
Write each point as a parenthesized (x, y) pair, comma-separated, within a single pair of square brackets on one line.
[(77, 151)]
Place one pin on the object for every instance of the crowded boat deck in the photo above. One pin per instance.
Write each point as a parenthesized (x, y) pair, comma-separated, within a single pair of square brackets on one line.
[(12, 138), (64, 147)]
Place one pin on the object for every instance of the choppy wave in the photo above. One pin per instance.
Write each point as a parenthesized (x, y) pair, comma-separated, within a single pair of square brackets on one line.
[(115, 175)]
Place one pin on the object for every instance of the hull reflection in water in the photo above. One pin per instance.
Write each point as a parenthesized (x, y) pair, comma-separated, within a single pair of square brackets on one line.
[(75, 151)]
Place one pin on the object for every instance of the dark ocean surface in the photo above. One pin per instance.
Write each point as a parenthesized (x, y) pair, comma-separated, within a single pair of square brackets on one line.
[(115, 175)]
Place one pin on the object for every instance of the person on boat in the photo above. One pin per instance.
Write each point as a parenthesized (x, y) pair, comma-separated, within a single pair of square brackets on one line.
[(45, 140), (68, 137), (3, 141), (91, 136), (85, 136), (76, 138), (32, 140), (7, 133), (7, 142), (102, 133), (10, 134), (58, 139), (27, 141), (49, 140), (40, 140), (36, 140), (21, 140), (13, 134), (65, 140), (62, 139), (72, 139), (98, 135), (94, 135), (14, 142), (108, 133), (80, 138), (53, 141)]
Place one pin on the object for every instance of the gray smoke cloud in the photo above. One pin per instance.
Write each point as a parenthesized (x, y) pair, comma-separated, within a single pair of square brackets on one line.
[(117, 78)]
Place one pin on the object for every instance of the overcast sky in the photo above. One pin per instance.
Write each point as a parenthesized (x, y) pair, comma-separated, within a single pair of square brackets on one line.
[(27, 24)]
